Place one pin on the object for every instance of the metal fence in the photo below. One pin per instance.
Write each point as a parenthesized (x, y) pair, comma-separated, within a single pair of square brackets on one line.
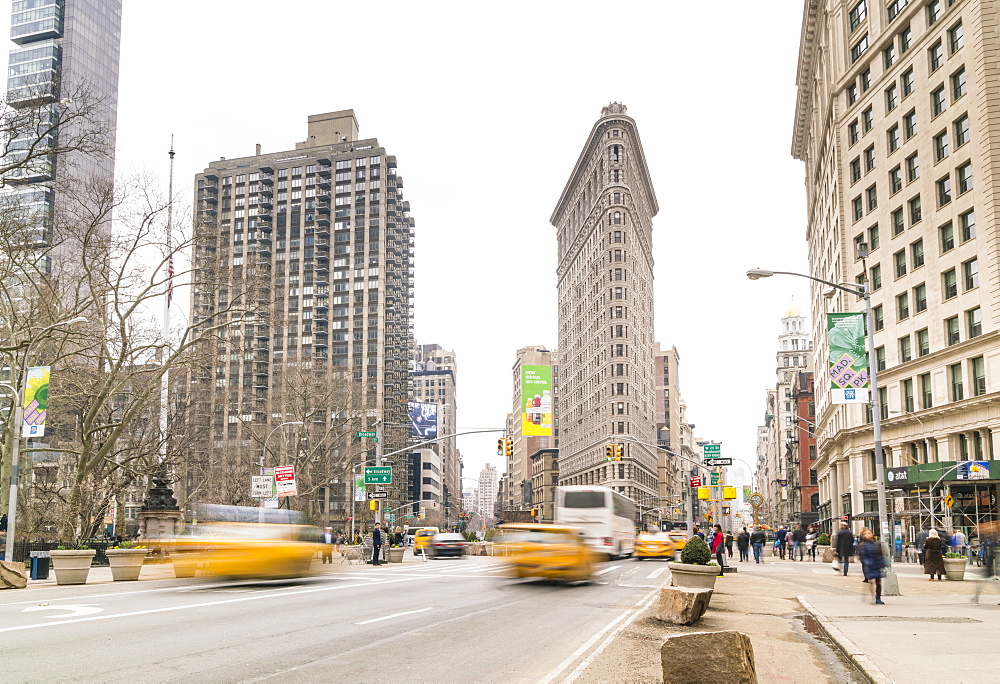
[(23, 549)]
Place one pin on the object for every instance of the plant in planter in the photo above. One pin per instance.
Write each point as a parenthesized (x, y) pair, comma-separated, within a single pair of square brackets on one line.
[(71, 563), (695, 569), (823, 547), (125, 559), (395, 554), (954, 566)]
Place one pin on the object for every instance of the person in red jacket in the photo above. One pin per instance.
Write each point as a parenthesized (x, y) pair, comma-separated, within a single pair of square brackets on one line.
[(717, 546)]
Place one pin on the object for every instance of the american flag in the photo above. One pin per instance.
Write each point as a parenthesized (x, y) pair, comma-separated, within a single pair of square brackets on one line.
[(170, 279)]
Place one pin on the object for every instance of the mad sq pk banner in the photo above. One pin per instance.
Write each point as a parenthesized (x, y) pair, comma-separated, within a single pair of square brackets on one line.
[(848, 358)]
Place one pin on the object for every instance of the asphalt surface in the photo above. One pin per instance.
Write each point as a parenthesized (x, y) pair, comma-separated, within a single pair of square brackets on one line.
[(445, 620)]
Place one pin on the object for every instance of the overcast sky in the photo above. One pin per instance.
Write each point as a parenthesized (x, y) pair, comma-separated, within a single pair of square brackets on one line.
[(487, 106)]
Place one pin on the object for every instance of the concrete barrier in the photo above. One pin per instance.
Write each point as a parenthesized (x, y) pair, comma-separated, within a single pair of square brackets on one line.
[(707, 658)]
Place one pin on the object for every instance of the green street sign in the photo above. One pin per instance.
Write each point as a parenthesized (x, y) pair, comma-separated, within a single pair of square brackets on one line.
[(715, 479), (712, 450), (378, 475), (362, 435)]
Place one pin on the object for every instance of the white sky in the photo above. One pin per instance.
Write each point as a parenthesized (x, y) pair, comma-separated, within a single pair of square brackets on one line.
[(487, 106)]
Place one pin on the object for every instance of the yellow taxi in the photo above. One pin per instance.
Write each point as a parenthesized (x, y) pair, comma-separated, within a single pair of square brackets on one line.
[(422, 537), (654, 545), (555, 552), (678, 539)]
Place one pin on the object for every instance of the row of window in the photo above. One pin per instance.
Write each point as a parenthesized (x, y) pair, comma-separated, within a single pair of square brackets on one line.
[(946, 234), (858, 13), (920, 342), (971, 374)]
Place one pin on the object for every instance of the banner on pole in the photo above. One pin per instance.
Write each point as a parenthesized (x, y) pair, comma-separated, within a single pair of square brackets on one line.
[(848, 358), (360, 488), (36, 401)]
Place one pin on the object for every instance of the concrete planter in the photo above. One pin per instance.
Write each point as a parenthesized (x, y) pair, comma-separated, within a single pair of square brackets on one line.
[(125, 563), (488, 548), (396, 554), (693, 576), (825, 553), (72, 566), (185, 564), (954, 568)]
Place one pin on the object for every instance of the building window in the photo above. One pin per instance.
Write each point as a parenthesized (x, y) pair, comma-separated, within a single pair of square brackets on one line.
[(926, 392), (923, 342), (958, 84), (904, 349), (941, 146), (936, 56), (967, 222), (889, 56), (855, 170), (902, 306), (852, 132), (857, 14), (944, 191), (897, 222), (955, 38), (974, 322), (892, 138), (961, 131), (949, 281), (952, 334), (867, 119), (879, 319), (908, 83), (873, 238), (870, 158), (947, 234), (905, 39), (920, 297), (977, 369), (880, 358), (957, 386), (938, 101), (970, 271), (872, 194), (908, 404), (859, 208), (894, 7), (866, 80), (910, 125), (912, 168), (933, 11), (876, 277), (964, 178), (899, 259), (917, 254)]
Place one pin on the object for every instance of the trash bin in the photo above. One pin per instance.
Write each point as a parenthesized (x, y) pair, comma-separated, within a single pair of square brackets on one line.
[(39, 565)]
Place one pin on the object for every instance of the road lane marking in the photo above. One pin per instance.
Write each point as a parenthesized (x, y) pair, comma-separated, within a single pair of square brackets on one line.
[(585, 663), (601, 572), (590, 642), (394, 615), (168, 609), (656, 573), (74, 611)]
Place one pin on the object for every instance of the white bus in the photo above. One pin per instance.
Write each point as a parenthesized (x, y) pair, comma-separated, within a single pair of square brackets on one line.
[(606, 517)]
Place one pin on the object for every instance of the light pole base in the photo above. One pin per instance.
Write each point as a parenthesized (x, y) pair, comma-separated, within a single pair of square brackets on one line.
[(890, 584)]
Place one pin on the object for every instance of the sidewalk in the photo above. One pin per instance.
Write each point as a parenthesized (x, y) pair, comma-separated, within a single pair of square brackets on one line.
[(165, 571), (932, 633)]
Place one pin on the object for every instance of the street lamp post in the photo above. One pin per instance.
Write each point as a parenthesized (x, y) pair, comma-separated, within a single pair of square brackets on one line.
[(890, 583), (16, 414)]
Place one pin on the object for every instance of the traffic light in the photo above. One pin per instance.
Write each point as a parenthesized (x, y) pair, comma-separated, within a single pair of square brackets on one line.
[(509, 447), (618, 452), (501, 443), (534, 512), (373, 504), (609, 452)]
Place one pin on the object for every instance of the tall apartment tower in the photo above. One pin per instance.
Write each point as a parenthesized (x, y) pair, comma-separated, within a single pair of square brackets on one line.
[(487, 492), (321, 238), (672, 472), (433, 380), (526, 431), (64, 48), (604, 229), (897, 122)]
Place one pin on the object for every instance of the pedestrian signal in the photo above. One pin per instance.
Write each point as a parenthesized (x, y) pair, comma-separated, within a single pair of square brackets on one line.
[(728, 493), (373, 504), (703, 493)]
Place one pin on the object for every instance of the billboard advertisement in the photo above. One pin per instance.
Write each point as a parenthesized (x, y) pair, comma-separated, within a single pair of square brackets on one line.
[(848, 358), (423, 421), (36, 401), (536, 392)]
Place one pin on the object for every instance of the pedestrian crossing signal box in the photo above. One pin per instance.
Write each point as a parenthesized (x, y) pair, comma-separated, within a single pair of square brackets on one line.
[(373, 504), (703, 493)]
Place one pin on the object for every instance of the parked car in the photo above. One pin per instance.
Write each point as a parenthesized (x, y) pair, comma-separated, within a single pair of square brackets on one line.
[(446, 544), (555, 552), (654, 545)]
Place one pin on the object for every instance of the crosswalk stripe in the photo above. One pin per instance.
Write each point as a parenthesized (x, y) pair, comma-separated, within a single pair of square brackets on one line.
[(656, 573), (606, 570)]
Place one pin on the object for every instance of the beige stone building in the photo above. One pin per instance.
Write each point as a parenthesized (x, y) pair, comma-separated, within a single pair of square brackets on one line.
[(898, 124), (516, 484), (434, 379), (605, 295)]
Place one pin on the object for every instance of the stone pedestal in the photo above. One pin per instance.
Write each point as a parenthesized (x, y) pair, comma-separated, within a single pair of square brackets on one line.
[(701, 657), (160, 520), (682, 606)]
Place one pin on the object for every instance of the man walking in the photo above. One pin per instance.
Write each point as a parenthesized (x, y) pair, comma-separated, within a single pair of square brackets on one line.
[(779, 538), (329, 539), (743, 542), (376, 543), (757, 540), (798, 540), (844, 546)]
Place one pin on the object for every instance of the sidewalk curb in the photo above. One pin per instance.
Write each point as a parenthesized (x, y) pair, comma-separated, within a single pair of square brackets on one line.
[(865, 665)]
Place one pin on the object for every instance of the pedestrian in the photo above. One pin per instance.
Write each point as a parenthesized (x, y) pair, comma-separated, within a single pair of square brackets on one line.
[(376, 543), (698, 532), (958, 541), (811, 538), (872, 562), (779, 541), (798, 540), (397, 536), (933, 556), (328, 540), (844, 546), (729, 544), (743, 544), (718, 540), (757, 540), (921, 540), (986, 552)]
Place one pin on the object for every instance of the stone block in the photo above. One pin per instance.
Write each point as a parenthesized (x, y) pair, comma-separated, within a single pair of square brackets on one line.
[(13, 575), (707, 658), (682, 605)]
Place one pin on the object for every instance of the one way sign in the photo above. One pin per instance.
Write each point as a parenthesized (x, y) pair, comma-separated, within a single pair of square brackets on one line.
[(378, 495)]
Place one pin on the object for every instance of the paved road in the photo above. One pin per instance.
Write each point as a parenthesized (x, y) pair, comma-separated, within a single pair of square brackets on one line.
[(457, 620)]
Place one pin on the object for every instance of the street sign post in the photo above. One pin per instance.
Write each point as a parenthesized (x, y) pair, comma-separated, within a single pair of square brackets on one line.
[(261, 486), (712, 450), (378, 495), (362, 435), (378, 475), (713, 462), (715, 479)]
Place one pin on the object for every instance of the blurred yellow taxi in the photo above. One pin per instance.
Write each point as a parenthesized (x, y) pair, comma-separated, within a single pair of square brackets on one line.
[(422, 537), (552, 552), (678, 539), (654, 545)]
